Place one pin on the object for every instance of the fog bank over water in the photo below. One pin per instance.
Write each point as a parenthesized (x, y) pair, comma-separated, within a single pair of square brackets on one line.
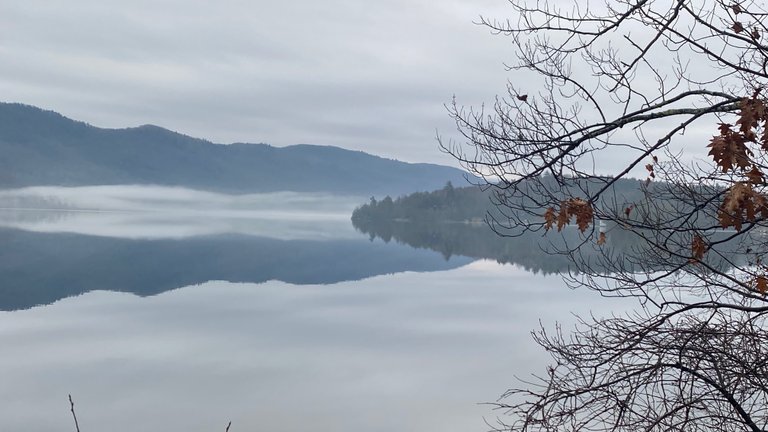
[(129, 211)]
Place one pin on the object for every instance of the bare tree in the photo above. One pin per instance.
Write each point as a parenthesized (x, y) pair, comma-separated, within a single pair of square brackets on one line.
[(672, 89)]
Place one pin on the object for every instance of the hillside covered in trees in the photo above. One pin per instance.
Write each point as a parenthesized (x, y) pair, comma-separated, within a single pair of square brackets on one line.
[(474, 203), (44, 148)]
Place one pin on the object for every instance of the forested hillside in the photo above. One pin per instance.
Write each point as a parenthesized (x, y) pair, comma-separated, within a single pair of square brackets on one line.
[(472, 203), (40, 147)]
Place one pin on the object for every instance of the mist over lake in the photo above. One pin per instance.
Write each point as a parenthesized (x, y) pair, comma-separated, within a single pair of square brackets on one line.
[(165, 212), (270, 310)]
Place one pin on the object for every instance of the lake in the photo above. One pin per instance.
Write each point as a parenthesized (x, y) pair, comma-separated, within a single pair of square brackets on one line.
[(170, 309)]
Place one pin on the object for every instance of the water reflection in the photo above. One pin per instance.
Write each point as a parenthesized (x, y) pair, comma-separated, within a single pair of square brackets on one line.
[(546, 254), (411, 351), (40, 268), (61, 242), (341, 333)]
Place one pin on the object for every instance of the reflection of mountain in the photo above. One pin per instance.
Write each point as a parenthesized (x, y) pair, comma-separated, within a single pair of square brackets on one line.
[(38, 268), (532, 251)]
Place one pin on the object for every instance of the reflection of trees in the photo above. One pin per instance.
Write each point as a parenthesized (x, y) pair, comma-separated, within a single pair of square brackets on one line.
[(467, 240), (531, 251)]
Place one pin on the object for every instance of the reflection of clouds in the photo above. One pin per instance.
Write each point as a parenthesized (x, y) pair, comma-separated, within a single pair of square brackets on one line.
[(411, 351), (161, 212)]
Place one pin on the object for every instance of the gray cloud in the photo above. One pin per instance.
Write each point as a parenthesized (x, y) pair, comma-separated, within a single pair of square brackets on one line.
[(371, 76)]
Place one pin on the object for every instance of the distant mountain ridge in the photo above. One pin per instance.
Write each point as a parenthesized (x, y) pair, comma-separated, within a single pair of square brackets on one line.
[(39, 147)]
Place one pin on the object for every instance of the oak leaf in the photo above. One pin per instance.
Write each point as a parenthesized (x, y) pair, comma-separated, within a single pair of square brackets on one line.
[(574, 207), (562, 217), (755, 176), (761, 284), (752, 110), (549, 218), (583, 212), (741, 203), (601, 239), (729, 150), (698, 247)]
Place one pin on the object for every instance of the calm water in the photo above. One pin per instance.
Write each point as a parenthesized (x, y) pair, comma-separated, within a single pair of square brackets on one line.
[(167, 309)]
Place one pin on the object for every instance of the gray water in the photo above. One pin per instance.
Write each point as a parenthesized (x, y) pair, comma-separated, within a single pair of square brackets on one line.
[(185, 312)]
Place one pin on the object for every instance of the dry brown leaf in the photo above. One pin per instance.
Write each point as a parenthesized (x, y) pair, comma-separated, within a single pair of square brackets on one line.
[(583, 212), (755, 176), (562, 217), (761, 284), (698, 247), (601, 239), (549, 218)]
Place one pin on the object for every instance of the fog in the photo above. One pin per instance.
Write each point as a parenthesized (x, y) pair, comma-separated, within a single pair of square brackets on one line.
[(153, 212)]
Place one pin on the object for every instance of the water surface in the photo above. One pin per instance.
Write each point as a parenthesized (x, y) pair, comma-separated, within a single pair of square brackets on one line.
[(279, 329)]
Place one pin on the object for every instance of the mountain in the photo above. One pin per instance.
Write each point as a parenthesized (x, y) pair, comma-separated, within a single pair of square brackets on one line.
[(39, 147)]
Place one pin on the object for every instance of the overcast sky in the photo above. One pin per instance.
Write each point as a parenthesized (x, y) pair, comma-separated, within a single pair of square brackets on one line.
[(363, 75)]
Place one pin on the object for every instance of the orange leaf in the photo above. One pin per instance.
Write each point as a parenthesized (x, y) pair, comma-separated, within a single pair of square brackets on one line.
[(549, 218), (583, 212), (741, 203), (728, 150), (562, 217), (761, 283), (698, 247), (752, 110), (601, 239)]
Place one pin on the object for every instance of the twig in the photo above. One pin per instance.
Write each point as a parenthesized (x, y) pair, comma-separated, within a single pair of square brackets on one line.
[(228, 425), (72, 408)]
